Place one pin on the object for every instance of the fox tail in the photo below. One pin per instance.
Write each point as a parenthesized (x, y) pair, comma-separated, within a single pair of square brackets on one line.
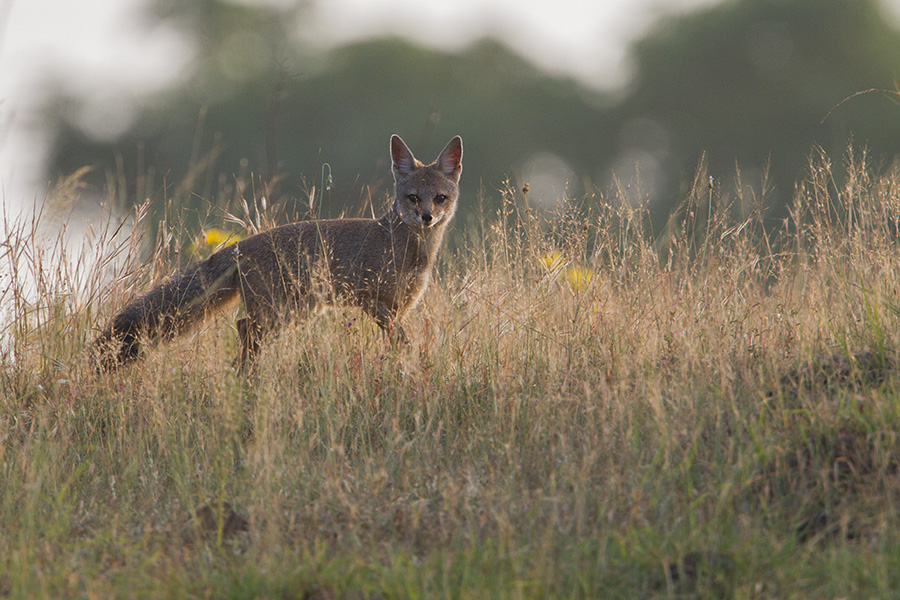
[(169, 309)]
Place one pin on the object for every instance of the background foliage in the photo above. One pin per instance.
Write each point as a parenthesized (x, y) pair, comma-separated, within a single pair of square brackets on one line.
[(752, 84)]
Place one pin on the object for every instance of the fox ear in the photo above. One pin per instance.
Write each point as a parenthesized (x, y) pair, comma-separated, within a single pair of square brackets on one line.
[(402, 160), (449, 162)]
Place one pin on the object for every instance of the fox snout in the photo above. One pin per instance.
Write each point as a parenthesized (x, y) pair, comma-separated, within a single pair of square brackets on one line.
[(424, 213), (428, 218)]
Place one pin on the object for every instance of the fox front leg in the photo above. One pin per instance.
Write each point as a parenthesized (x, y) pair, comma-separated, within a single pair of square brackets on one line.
[(387, 320), (397, 333)]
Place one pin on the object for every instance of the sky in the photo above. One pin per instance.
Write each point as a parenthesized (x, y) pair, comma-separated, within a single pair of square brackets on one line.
[(104, 51)]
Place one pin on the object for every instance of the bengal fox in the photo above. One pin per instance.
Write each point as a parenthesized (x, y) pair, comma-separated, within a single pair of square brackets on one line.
[(380, 265)]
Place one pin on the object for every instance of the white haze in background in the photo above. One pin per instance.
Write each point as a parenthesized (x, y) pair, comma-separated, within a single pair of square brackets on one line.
[(548, 177), (105, 53), (585, 39), (98, 51)]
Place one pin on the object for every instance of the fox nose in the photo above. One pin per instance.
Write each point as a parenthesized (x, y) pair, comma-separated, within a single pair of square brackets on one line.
[(426, 218)]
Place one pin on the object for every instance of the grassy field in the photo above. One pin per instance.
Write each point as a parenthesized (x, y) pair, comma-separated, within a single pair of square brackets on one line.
[(585, 411)]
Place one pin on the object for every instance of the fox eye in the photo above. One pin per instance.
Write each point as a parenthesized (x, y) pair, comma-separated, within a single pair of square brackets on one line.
[(413, 198), (439, 198)]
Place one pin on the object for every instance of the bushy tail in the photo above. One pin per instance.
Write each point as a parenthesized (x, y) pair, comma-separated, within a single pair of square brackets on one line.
[(183, 300)]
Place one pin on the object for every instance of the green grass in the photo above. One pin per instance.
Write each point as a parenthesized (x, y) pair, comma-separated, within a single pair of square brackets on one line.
[(713, 412)]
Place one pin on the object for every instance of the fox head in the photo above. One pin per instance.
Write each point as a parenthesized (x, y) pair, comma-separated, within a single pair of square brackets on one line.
[(425, 195)]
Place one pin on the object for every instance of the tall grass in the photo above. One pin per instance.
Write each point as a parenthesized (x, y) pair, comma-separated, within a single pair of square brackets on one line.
[(587, 409)]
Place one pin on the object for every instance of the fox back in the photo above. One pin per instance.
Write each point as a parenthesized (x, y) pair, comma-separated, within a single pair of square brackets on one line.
[(383, 266)]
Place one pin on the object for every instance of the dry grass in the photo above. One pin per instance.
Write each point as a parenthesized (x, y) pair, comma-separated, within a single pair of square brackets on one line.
[(585, 411)]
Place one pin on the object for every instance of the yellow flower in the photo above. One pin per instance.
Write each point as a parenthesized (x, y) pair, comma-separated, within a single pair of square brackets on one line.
[(212, 238), (552, 261), (578, 278)]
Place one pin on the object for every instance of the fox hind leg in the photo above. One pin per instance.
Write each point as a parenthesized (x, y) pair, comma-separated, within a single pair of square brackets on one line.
[(251, 333)]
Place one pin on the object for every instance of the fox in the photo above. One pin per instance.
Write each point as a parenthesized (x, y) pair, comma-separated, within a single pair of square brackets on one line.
[(382, 266)]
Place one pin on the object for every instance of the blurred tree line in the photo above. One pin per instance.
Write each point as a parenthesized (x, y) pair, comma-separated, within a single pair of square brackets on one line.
[(752, 84)]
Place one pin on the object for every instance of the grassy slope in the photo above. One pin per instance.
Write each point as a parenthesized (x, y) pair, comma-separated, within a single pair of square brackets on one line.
[(696, 416)]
